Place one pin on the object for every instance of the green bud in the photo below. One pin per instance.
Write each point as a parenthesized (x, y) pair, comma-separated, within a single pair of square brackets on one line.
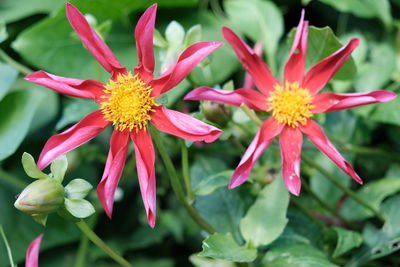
[(215, 112), (41, 197), (175, 33)]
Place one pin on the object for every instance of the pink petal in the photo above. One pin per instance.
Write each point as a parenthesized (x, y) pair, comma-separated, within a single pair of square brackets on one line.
[(328, 102), (145, 158), (82, 132), (318, 137), (32, 254), (261, 141), (183, 126), (249, 97), (89, 89), (290, 142), (93, 42), (294, 68), (187, 61), (318, 76), (248, 80), (144, 34), (113, 170), (261, 74)]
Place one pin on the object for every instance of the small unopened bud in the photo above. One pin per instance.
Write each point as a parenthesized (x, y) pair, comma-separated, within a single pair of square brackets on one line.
[(216, 113), (41, 197)]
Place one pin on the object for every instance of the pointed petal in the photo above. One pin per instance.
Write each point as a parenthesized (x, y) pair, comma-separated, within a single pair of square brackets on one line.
[(261, 74), (85, 130), (319, 75), (187, 61), (261, 141), (249, 97), (183, 126), (145, 158), (90, 89), (294, 68), (328, 102), (32, 254), (93, 42), (319, 139), (144, 34), (248, 80), (290, 141), (113, 170)]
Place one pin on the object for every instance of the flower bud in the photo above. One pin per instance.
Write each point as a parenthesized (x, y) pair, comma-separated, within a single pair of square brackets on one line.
[(215, 112), (41, 197)]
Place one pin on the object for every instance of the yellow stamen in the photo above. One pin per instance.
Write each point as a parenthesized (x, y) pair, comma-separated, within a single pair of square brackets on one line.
[(291, 104), (128, 102)]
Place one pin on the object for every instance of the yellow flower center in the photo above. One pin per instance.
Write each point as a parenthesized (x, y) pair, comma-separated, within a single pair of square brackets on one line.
[(129, 102), (291, 104)]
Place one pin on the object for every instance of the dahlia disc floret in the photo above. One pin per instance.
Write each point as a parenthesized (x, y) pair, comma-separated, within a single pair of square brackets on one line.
[(128, 102), (291, 103)]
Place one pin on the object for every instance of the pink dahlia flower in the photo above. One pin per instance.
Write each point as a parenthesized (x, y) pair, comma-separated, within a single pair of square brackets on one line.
[(128, 102), (292, 103)]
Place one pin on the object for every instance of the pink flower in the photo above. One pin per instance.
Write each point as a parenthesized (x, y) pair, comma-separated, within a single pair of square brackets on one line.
[(128, 102), (292, 103), (32, 254)]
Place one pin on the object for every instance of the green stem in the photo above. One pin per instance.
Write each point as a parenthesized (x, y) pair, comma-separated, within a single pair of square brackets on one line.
[(348, 191), (84, 244), (101, 245), (10, 61), (185, 171), (251, 115), (323, 204), (176, 186), (369, 151), (10, 257)]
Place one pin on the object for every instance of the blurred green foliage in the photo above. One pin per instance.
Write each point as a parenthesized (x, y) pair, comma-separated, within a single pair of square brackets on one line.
[(257, 223)]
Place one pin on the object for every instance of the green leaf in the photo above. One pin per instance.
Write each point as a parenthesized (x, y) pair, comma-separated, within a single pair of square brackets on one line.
[(266, 218), (3, 32), (364, 8), (380, 242), (77, 189), (384, 112), (12, 10), (79, 208), (347, 240), (58, 168), (211, 183), (321, 43), (374, 193), (29, 165), (300, 255), (224, 247), (259, 20), (199, 261), (7, 78), (74, 111), (17, 110), (378, 71)]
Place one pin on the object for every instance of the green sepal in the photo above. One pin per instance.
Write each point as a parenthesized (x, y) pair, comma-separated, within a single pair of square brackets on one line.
[(40, 218), (193, 35), (174, 33), (58, 168), (77, 189), (79, 208), (30, 168)]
